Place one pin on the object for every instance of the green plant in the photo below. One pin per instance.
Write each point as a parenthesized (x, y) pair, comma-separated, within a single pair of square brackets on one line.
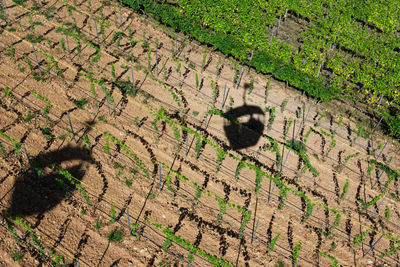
[(115, 235), (29, 116), (345, 189), (98, 225), (283, 104), (113, 215), (197, 80), (81, 102), (128, 182), (47, 132), (17, 255), (271, 245), (296, 253), (11, 51), (387, 212), (203, 62), (34, 38), (251, 85), (106, 148)]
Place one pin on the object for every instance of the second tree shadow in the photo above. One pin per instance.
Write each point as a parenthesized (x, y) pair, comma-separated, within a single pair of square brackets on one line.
[(36, 194), (244, 125)]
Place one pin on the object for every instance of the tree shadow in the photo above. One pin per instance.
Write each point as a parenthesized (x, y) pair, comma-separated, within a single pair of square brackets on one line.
[(37, 194), (244, 125)]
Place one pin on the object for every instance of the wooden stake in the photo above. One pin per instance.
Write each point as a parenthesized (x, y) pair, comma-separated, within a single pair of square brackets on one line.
[(120, 14), (37, 61), (72, 129), (284, 16), (4, 10), (38, 4), (159, 172), (240, 77), (377, 180), (303, 121), (319, 68), (254, 233), (156, 59), (176, 44), (382, 150), (108, 103), (251, 56), (129, 224), (223, 98), (97, 33), (133, 83), (66, 39), (279, 23), (187, 137), (378, 206), (30, 163)]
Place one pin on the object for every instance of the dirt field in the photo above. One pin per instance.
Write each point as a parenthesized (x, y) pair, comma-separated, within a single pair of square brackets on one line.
[(129, 160)]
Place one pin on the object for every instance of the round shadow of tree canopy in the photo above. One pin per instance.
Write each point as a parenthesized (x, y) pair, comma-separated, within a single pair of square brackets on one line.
[(38, 194), (244, 126)]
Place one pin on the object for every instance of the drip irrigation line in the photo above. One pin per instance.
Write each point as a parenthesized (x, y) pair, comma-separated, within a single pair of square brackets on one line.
[(192, 140)]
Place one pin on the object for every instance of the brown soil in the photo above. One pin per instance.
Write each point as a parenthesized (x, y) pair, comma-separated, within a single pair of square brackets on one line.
[(66, 223)]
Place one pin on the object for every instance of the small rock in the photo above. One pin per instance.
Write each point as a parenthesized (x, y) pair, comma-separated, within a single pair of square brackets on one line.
[(163, 216), (143, 250), (370, 261), (130, 263)]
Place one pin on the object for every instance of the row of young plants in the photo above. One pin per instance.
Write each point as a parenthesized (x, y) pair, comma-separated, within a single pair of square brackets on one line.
[(310, 205), (269, 62), (284, 188)]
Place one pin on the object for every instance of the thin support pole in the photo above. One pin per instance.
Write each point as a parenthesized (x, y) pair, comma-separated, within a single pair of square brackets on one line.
[(254, 233), (29, 160), (187, 140), (97, 33), (377, 207), (108, 103), (223, 98), (133, 83), (303, 121), (240, 77), (205, 120), (37, 61), (159, 175), (319, 68), (129, 224), (120, 14), (382, 150), (271, 192), (156, 60), (69, 52), (377, 179), (373, 246), (251, 56), (273, 186), (4, 10), (72, 129), (38, 4), (176, 44), (279, 23)]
